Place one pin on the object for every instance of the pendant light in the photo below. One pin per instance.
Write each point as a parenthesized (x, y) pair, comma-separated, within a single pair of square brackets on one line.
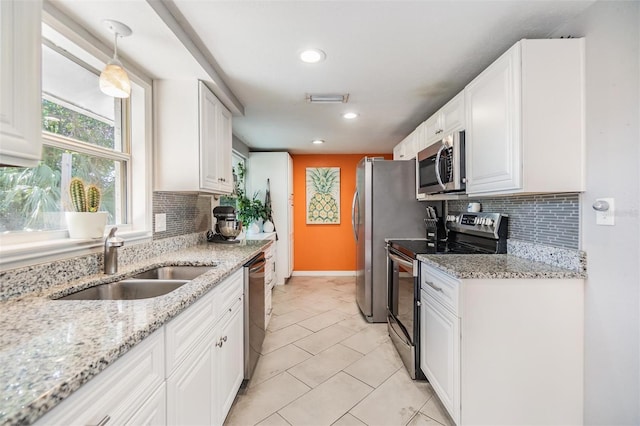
[(114, 80)]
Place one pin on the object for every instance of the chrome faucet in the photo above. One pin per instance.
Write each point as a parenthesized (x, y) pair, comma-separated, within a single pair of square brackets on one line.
[(111, 245)]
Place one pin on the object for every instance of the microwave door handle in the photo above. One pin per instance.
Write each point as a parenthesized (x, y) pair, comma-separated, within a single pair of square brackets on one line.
[(353, 215), (437, 165)]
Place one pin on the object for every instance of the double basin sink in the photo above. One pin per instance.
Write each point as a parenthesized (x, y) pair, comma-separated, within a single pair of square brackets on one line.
[(152, 283)]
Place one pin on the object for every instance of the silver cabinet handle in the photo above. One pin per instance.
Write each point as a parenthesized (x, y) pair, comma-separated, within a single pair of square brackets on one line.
[(224, 339), (433, 286), (104, 421)]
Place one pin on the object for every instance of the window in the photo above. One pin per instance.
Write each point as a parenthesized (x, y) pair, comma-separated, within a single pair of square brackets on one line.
[(83, 137), (86, 134)]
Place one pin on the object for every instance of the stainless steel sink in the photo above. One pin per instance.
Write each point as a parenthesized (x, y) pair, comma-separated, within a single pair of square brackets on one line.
[(130, 289), (173, 273)]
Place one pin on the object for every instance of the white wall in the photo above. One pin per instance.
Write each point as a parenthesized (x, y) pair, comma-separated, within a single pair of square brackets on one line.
[(612, 310)]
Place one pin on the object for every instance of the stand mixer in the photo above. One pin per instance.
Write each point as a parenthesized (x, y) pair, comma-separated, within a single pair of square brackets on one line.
[(228, 227)]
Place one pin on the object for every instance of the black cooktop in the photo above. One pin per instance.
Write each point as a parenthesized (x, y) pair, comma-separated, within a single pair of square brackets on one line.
[(412, 248)]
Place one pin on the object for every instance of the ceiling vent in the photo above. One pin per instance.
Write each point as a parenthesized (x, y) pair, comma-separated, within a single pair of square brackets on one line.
[(327, 98)]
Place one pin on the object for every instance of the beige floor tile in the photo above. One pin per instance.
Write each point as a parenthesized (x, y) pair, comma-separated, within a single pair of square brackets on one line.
[(265, 399), (355, 322), (435, 410), (369, 338), (274, 420), (348, 420), (324, 339), (283, 337), (421, 420), (394, 402), (377, 366), (326, 403), (321, 367), (347, 306), (323, 320), (276, 362), (284, 320)]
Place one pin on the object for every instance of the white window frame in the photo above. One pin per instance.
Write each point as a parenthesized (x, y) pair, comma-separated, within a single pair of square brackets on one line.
[(25, 248)]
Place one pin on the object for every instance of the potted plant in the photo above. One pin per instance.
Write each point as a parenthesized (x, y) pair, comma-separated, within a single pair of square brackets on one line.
[(85, 221), (251, 211)]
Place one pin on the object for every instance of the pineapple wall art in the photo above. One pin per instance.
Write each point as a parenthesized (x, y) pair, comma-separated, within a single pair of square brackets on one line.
[(323, 195)]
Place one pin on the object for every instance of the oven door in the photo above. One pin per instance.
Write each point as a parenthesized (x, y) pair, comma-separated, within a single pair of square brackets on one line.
[(403, 286)]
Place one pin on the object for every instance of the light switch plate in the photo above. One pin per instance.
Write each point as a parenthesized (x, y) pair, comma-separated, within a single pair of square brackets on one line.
[(161, 222), (606, 217)]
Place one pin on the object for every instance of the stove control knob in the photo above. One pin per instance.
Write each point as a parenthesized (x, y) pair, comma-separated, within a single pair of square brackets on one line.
[(488, 221), (476, 221)]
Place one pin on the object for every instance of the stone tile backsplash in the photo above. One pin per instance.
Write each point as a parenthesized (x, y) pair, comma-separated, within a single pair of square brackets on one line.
[(186, 213), (549, 219)]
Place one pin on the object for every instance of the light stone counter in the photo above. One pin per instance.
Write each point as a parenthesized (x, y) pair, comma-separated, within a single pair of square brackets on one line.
[(49, 348), (496, 266)]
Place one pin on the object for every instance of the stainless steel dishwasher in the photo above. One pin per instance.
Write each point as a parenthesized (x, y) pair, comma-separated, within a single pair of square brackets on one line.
[(253, 312)]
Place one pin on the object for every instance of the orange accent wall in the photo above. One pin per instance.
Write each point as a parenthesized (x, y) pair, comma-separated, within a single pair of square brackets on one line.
[(325, 247)]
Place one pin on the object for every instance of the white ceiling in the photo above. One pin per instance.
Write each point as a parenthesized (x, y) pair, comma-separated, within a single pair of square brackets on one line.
[(399, 60)]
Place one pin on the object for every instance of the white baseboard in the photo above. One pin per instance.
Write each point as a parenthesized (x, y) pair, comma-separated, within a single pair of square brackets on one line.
[(323, 274)]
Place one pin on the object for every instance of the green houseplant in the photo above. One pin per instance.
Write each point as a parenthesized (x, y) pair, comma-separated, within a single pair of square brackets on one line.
[(85, 221), (251, 211)]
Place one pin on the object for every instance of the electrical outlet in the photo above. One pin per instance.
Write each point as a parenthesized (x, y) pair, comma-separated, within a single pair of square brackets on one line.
[(161, 222), (606, 217)]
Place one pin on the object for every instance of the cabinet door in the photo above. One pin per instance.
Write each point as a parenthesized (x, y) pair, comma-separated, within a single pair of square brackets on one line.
[(493, 151), (440, 352), (398, 150), (208, 140), (229, 360), (433, 131), (153, 412), (190, 392), (452, 114), (224, 160), (20, 83)]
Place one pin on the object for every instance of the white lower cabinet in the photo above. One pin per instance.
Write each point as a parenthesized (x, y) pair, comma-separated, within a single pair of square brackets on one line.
[(118, 394), (439, 346), (503, 351), (229, 360), (186, 373)]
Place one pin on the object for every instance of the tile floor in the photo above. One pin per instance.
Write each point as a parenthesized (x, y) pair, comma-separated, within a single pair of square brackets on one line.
[(323, 364)]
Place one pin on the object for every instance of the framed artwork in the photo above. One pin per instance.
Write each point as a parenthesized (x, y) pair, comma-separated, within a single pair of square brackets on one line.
[(323, 195)]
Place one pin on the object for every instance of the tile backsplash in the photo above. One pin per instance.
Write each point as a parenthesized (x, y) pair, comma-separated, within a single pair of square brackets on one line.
[(186, 213), (549, 219)]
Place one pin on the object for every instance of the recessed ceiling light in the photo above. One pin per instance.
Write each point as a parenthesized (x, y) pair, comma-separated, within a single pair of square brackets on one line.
[(312, 56), (317, 141), (350, 115)]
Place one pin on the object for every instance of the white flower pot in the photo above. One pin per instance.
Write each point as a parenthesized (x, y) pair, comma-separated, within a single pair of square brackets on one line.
[(253, 228), (85, 225), (268, 226)]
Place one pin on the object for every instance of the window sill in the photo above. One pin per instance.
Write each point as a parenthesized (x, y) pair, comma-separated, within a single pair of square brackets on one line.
[(31, 253)]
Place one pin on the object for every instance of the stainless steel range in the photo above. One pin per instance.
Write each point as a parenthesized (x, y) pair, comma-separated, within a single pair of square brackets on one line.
[(467, 233)]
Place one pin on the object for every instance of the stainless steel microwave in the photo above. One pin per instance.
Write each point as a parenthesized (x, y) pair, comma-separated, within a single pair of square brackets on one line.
[(440, 167)]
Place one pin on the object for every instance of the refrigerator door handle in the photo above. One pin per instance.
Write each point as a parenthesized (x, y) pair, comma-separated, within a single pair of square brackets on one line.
[(353, 214)]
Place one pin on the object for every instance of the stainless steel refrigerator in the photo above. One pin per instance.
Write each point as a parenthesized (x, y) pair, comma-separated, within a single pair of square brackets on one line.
[(384, 206)]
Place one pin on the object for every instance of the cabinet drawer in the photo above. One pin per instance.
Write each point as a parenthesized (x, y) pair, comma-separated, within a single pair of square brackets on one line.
[(118, 391), (186, 330), (229, 291), (442, 287)]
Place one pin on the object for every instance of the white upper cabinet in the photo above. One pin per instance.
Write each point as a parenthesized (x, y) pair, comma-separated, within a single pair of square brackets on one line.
[(193, 139), (448, 119), (525, 120), (20, 83)]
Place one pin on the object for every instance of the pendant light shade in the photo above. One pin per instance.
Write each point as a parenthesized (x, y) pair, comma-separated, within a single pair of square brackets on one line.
[(114, 80)]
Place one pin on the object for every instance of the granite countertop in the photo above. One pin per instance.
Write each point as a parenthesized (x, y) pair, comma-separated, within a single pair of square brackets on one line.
[(496, 266), (49, 348)]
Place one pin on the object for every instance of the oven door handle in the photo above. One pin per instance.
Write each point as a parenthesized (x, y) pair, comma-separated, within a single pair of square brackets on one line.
[(437, 166), (401, 261)]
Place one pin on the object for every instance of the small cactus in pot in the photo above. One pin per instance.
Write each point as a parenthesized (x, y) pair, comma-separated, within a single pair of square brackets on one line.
[(84, 200), (85, 221)]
